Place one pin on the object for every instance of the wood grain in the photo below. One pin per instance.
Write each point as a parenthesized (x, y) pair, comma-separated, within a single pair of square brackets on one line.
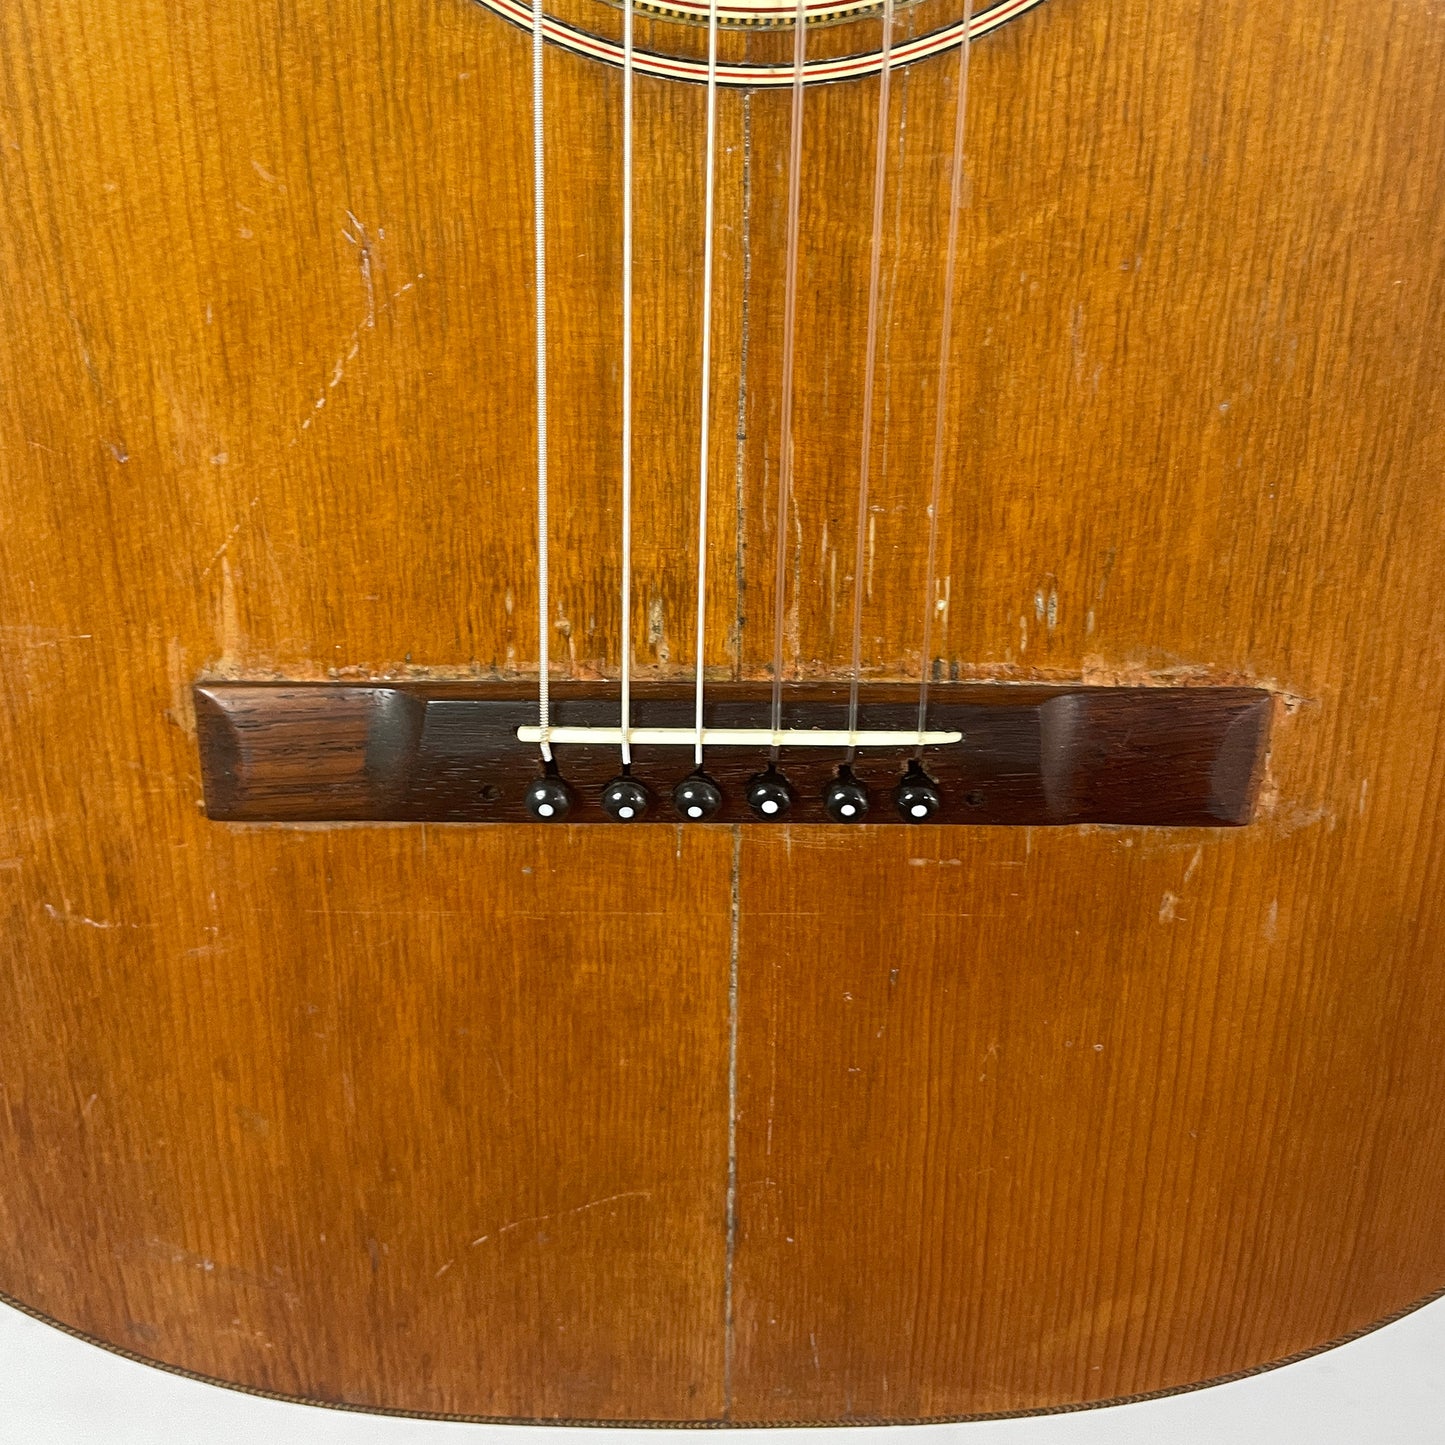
[(1024, 1142), (362, 1132), (265, 412)]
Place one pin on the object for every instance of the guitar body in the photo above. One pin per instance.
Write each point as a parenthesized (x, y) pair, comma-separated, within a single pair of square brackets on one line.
[(721, 1123)]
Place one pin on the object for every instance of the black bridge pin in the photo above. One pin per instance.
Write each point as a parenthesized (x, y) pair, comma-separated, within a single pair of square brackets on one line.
[(625, 799), (917, 795), (697, 798), (846, 798), (769, 795), (549, 799)]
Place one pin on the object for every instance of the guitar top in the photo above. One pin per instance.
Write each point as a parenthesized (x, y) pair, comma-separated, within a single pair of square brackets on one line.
[(965, 480)]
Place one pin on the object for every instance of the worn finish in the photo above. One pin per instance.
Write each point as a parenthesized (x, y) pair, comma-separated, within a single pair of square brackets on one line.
[(1019, 1130), (449, 752), (265, 413), (362, 1132)]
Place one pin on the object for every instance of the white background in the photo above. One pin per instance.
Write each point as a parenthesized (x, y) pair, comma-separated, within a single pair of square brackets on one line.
[(1385, 1389)]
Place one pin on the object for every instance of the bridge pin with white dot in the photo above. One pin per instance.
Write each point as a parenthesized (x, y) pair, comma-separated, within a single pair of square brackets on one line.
[(697, 798), (625, 799), (917, 796), (549, 799), (769, 796), (846, 799)]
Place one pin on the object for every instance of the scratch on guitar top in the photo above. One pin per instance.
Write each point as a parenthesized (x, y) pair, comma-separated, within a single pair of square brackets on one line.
[(64, 915), (363, 243), (166, 1250), (230, 620), (557, 1214), (230, 537), (501, 1077), (32, 637), (349, 352)]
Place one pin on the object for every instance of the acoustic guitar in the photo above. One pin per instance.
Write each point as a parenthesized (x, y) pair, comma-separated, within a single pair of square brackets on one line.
[(722, 711)]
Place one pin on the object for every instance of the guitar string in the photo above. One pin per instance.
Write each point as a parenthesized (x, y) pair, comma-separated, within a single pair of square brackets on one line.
[(702, 465), (870, 365), (539, 233), (789, 333), (955, 207), (626, 701), (790, 313)]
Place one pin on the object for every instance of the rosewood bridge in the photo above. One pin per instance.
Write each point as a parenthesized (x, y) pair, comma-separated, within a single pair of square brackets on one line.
[(1016, 755)]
